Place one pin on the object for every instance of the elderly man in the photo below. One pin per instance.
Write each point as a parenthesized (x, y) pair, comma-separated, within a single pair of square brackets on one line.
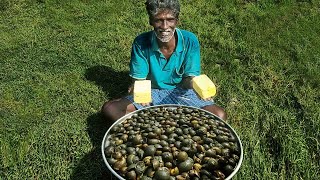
[(170, 58)]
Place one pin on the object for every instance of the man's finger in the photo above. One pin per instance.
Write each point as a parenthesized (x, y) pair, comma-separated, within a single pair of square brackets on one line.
[(145, 104)]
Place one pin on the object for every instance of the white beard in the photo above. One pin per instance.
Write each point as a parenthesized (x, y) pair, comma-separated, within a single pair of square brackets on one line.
[(166, 38)]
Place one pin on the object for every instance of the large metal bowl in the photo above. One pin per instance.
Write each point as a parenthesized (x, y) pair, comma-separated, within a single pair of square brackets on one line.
[(105, 141)]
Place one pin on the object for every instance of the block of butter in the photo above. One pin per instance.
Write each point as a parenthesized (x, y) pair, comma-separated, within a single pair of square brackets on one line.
[(142, 91), (204, 86)]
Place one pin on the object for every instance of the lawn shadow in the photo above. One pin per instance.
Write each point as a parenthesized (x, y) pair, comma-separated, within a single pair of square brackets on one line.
[(115, 85), (92, 166)]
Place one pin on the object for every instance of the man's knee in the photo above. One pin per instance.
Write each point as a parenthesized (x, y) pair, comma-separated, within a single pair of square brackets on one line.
[(117, 108), (221, 114), (218, 111), (107, 109)]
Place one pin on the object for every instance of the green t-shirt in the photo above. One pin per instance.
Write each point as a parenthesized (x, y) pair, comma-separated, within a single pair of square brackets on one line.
[(147, 61)]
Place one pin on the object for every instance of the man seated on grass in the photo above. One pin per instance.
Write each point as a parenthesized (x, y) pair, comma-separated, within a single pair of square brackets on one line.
[(170, 58)]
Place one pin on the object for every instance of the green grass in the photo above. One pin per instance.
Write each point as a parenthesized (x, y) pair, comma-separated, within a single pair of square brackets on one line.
[(61, 60)]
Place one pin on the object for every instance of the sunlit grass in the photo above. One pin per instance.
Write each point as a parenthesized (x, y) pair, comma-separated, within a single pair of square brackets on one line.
[(59, 61)]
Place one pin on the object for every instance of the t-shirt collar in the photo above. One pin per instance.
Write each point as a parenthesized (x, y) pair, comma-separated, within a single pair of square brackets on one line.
[(180, 46)]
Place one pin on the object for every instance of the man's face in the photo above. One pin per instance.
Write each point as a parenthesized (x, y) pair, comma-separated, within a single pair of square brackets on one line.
[(164, 24)]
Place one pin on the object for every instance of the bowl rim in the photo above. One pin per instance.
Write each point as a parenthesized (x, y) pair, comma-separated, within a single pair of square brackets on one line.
[(105, 138)]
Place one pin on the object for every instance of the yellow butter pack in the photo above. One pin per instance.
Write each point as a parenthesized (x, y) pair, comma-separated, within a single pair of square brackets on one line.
[(142, 91), (204, 86)]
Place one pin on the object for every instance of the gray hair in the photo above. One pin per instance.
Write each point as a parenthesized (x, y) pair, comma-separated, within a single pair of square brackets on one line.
[(154, 6)]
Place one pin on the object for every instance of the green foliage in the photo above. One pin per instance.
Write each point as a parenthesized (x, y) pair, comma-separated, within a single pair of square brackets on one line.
[(61, 60)]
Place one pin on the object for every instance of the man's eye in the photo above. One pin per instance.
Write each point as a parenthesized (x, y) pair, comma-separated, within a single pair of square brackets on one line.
[(171, 20), (160, 21)]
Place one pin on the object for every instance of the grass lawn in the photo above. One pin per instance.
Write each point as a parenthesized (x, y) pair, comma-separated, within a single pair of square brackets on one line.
[(61, 60)]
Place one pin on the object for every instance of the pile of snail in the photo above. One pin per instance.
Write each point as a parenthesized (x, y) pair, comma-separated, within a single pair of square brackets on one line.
[(172, 143)]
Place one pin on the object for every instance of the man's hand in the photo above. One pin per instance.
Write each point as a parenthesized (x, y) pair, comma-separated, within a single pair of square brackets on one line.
[(207, 99), (144, 104)]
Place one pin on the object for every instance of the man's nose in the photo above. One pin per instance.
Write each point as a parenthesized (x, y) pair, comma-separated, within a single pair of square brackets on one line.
[(164, 24)]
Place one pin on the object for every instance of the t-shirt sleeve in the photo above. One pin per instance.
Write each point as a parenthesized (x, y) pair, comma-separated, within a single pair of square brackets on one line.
[(192, 64), (139, 66)]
